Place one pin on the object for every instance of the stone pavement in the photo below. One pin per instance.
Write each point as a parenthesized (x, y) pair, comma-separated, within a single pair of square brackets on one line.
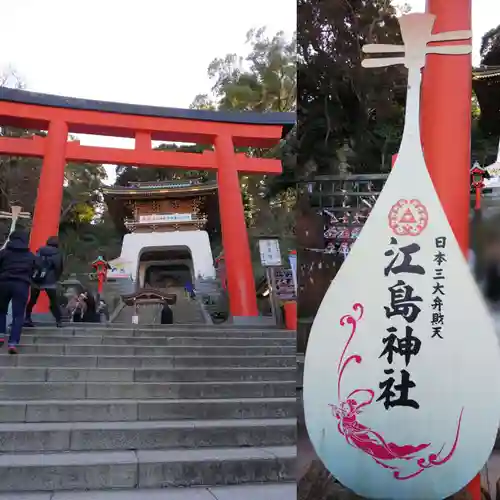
[(252, 492), (286, 491)]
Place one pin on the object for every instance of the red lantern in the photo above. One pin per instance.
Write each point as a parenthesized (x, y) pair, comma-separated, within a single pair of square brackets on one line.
[(477, 181), (101, 266)]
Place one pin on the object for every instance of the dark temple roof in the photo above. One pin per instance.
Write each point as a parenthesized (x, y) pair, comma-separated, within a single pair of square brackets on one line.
[(486, 85), (286, 120)]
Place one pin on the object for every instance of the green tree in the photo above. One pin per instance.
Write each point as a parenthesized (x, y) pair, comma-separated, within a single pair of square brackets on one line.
[(265, 80), (487, 89), (484, 144), (82, 242), (349, 117), (82, 198)]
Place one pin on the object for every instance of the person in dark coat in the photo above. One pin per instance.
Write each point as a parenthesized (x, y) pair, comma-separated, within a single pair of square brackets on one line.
[(90, 315), (51, 257), (17, 264), (167, 316)]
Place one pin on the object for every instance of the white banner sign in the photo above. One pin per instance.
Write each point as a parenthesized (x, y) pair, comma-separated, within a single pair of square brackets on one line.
[(166, 218), (494, 170), (402, 369), (119, 268), (270, 253)]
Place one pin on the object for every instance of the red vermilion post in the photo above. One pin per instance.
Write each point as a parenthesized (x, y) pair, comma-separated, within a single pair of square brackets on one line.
[(446, 119), (50, 193), (477, 205), (239, 274), (143, 140), (446, 129)]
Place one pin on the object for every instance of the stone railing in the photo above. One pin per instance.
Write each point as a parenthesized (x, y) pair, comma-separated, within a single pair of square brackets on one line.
[(213, 298)]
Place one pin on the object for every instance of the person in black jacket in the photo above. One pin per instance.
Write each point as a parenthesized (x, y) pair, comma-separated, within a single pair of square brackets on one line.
[(17, 264), (167, 316), (50, 259), (91, 315)]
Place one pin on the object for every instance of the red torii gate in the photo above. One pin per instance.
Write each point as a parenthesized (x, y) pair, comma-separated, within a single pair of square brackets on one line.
[(224, 130)]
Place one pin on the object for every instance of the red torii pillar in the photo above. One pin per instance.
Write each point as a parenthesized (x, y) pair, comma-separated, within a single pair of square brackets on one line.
[(49, 194), (446, 128), (239, 273), (446, 118)]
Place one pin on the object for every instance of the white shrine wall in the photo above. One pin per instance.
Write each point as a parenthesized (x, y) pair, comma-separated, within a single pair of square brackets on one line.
[(198, 243)]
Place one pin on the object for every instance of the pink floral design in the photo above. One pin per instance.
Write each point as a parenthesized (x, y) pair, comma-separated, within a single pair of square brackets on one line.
[(370, 441)]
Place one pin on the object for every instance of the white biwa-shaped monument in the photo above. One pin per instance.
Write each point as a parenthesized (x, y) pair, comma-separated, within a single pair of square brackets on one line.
[(402, 370)]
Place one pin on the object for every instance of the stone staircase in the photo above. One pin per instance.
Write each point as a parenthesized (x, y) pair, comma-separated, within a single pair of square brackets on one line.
[(115, 408), (187, 310)]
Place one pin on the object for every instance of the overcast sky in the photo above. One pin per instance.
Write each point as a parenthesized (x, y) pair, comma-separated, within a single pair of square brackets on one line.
[(137, 51), (145, 52), (485, 16)]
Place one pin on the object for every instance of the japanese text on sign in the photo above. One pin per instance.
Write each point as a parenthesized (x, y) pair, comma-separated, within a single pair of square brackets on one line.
[(438, 289), (403, 342), (270, 253)]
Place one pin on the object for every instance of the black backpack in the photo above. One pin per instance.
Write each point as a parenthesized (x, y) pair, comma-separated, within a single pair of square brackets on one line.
[(42, 267)]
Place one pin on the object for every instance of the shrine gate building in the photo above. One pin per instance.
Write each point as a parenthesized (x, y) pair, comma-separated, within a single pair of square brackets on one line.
[(167, 244)]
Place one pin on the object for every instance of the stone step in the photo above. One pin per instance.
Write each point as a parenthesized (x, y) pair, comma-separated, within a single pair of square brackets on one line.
[(119, 350), (145, 469), (225, 374), (165, 331), (131, 390), (88, 410), (107, 436), (88, 361), (269, 491), (155, 341)]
